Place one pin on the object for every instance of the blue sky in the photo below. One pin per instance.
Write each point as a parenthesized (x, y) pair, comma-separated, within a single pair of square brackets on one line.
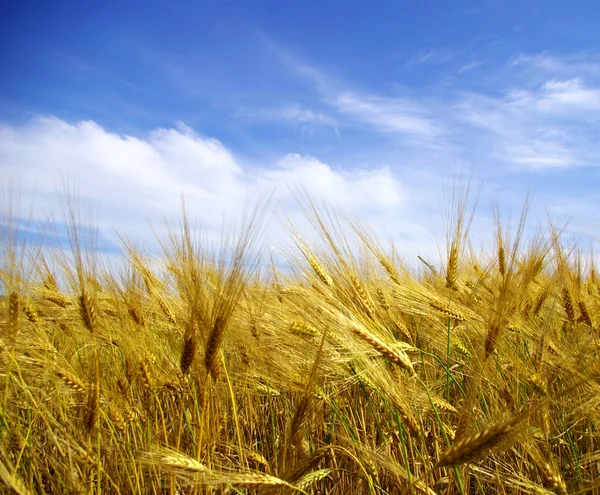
[(370, 105)]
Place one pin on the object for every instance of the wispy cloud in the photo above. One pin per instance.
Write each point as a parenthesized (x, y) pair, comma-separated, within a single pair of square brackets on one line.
[(295, 114), (390, 115), (539, 120), (511, 131), (531, 112), (572, 65), (566, 96), (538, 61), (541, 154), (469, 66), (304, 115), (78, 65), (525, 114), (431, 56)]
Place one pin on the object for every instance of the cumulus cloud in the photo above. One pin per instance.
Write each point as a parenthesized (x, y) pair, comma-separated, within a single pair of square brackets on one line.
[(124, 175), (133, 180), (363, 189)]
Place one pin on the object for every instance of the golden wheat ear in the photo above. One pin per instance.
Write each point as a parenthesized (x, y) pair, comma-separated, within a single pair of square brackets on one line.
[(14, 315), (188, 352), (213, 343), (71, 380), (394, 355), (472, 447), (88, 312)]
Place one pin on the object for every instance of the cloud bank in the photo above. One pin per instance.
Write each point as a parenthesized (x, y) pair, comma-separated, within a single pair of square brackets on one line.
[(136, 180)]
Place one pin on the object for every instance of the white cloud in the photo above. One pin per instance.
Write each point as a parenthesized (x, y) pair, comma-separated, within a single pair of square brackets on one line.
[(357, 190), (119, 171), (133, 179)]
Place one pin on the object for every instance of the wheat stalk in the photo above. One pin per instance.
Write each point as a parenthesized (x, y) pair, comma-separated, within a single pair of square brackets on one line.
[(146, 375), (447, 310), (165, 308), (136, 315), (57, 298), (390, 269), (116, 418), (539, 303), (93, 402), (382, 299), (303, 329)]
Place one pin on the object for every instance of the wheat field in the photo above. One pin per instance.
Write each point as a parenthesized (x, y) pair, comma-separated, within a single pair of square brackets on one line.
[(339, 368)]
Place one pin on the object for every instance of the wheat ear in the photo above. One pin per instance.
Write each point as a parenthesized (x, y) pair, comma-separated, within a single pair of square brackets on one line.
[(320, 271), (472, 447), (14, 305), (188, 351), (212, 345), (397, 356), (365, 300), (452, 267), (88, 311)]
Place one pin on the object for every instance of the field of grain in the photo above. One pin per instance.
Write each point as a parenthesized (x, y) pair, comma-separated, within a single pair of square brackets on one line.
[(337, 368)]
